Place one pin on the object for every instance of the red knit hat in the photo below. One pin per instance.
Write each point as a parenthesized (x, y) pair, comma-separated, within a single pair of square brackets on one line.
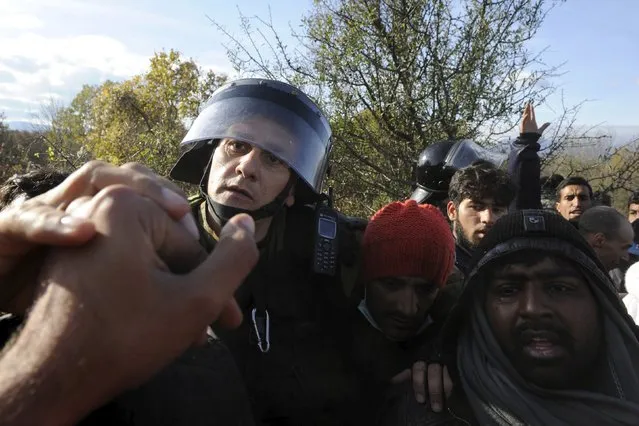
[(409, 240)]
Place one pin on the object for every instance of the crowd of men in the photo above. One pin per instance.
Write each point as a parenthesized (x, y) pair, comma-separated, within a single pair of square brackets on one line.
[(475, 302)]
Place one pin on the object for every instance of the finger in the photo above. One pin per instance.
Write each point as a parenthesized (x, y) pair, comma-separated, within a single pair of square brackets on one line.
[(78, 203), (146, 185), (179, 250), (402, 377), (448, 383), (76, 185), (35, 223), (435, 387), (214, 282), (173, 242), (419, 369), (543, 127), (525, 119), (139, 168), (532, 113), (95, 176), (231, 316)]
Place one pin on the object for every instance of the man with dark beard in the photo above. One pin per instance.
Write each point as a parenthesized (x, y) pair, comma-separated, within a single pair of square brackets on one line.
[(538, 337), (479, 195)]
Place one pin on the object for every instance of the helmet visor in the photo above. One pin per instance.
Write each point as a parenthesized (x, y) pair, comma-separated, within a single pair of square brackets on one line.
[(270, 127), (466, 152), (420, 195)]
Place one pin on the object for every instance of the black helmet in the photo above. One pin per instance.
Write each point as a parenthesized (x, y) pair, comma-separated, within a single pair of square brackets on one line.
[(431, 176), (438, 163), (268, 114)]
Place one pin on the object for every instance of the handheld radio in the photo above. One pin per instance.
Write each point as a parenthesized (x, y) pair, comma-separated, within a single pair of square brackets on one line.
[(325, 249)]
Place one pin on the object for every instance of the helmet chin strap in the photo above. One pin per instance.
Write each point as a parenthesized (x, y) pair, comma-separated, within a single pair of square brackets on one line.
[(222, 213)]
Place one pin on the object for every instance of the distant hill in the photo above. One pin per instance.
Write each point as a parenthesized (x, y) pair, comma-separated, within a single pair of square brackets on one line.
[(20, 125)]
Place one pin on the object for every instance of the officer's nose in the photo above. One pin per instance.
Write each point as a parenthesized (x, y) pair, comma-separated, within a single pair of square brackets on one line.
[(248, 165)]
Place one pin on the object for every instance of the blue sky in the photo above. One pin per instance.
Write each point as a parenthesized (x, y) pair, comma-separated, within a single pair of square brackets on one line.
[(50, 48)]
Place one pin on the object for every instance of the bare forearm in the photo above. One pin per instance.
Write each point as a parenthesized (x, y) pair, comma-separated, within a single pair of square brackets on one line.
[(42, 379)]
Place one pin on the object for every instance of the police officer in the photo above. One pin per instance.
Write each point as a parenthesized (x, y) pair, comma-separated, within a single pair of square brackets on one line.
[(438, 163), (261, 147), (432, 176)]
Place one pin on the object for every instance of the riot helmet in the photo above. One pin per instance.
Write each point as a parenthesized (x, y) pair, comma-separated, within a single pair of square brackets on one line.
[(432, 178), (438, 163), (270, 115)]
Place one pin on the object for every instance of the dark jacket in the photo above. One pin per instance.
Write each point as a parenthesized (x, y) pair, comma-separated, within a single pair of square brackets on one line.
[(462, 258), (201, 388), (524, 168), (401, 408), (305, 378)]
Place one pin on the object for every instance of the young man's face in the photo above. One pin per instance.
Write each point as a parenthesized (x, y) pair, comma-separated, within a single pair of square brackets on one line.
[(546, 320), (633, 211), (400, 305), (472, 219), (574, 200)]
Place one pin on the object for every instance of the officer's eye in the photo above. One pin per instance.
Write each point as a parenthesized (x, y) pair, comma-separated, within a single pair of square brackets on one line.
[(272, 160), (237, 147)]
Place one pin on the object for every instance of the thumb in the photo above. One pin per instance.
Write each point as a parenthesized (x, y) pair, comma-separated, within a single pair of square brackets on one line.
[(214, 282), (402, 377), (542, 128)]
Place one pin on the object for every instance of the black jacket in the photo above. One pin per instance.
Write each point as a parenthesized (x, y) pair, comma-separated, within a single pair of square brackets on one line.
[(203, 387), (401, 408), (305, 378), (462, 258), (524, 168)]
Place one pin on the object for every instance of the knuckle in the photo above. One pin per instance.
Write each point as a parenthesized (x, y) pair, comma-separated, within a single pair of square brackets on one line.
[(37, 219), (86, 172), (116, 199), (135, 167), (145, 184), (434, 369), (88, 169), (92, 165)]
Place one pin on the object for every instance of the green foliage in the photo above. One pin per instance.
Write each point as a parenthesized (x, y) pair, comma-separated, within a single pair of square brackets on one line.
[(20, 151), (397, 75), (138, 120)]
